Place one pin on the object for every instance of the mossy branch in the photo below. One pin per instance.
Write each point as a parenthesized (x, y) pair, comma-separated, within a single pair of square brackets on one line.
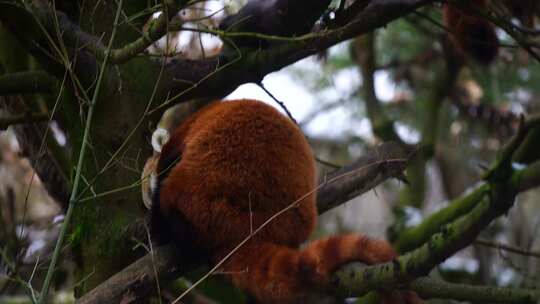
[(495, 201), (415, 236), (186, 79), (190, 78), (502, 168), (155, 31), (456, 227), (432, 288)]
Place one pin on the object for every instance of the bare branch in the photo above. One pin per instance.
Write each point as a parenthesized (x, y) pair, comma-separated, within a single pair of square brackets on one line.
[(513, 249), (387, 160), (220, 76)]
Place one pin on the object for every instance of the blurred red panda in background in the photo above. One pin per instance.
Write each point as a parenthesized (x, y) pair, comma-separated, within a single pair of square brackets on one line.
[(229, 169), (472, 35)]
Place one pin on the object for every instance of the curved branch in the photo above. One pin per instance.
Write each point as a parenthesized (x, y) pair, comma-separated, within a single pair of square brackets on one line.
[(521, 180), (75, 37), (386, 160), (488, 202), (429, 288), (157, 30), (138, 279), (187, 79), (351, 281), (219, 76), (432, 288)]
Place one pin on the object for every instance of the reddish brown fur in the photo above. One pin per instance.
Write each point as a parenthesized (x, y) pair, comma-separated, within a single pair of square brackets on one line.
[(472, 35), (241, 162)]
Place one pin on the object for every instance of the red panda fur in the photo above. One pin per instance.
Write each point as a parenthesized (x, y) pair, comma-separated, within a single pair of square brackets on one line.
[(227, 170), (472, 35)]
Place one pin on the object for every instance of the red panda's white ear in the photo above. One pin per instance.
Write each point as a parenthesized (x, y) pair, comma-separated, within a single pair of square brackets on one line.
[(149, 176), (159, 138)]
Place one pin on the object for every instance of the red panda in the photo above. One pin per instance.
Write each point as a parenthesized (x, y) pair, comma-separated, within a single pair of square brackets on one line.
[(472, 35), (227, 170)]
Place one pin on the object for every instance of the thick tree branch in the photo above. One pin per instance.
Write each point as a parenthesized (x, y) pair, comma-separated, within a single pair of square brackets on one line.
[(219, 76), (429, 288), (387, 160), (34, 24), (351, 281), (75, 37), (488, 202), (432, 288), (278, 17), (27, 82), (186, 79), (415, 236), (138, 279)]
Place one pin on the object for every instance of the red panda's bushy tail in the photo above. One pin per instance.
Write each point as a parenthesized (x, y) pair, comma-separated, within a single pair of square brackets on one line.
[(474, 36), (278, 274)]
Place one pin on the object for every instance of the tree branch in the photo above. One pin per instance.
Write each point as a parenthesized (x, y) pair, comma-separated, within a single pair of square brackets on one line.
[(509, 248), (429, 288), (220, 76), (187, 79), (522, 179), (415, 236), (488, 202), (352, 281), (75, 37), (139, 279), (157, 29), (386, 160)]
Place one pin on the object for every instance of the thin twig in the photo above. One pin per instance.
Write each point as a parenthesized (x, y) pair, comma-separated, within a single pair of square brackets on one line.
[(280, 103), (78, 172), (509, 248)]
